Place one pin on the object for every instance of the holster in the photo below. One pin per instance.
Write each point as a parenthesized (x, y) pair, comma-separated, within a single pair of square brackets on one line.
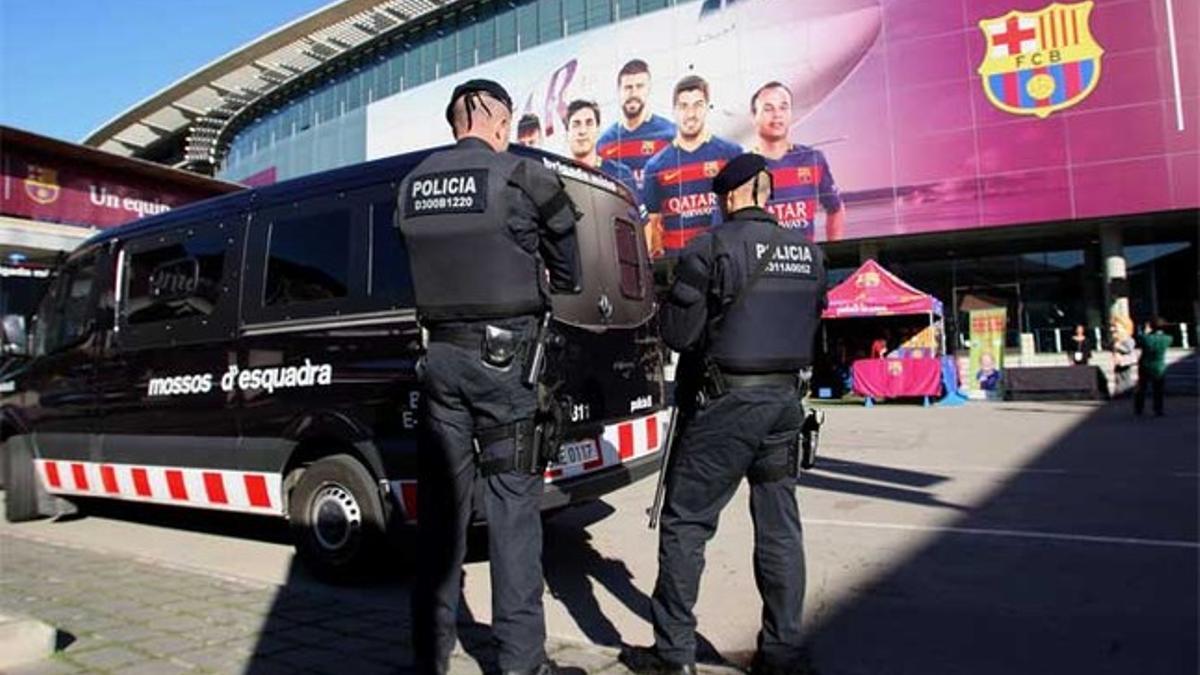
[(809, 439), (524, 458)]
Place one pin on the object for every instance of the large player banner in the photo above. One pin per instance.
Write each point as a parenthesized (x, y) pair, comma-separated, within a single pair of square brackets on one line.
[(889, 116)]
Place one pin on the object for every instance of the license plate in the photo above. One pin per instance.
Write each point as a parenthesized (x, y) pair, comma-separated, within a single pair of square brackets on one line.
[(576, 453)]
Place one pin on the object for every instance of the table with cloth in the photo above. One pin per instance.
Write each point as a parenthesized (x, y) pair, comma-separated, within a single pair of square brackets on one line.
[(897, 377)]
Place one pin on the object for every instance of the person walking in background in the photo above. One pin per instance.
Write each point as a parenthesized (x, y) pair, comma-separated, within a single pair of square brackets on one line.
[(1152, 366)]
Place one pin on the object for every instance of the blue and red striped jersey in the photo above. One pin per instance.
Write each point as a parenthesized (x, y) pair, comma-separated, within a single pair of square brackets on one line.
[(802, 179), (678, 186), (635, 148)]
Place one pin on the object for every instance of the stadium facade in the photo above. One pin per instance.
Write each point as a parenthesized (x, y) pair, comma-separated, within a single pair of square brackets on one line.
[(1037, 156)]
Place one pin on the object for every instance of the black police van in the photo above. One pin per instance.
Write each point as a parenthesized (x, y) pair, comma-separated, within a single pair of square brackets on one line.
[(256, 352)]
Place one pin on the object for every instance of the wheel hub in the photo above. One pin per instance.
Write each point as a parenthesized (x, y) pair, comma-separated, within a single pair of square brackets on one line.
[(335, 516)]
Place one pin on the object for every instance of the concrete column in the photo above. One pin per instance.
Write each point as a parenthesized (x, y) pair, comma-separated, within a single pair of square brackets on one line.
[(1112, 250)]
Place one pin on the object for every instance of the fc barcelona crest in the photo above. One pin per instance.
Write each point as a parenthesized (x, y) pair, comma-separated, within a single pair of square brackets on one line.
[(648, 148), (1040, 62), (711, 169), (41, 184)]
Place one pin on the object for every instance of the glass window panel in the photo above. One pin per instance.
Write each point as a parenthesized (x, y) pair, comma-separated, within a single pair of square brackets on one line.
[(485, 39), (412, 67), (390, 274), (650, 5), (176, 281), (574, 16), (527, 26), (550, 24), (309, 258), (466, 43), (447, 54), (506, 32), (629, 260), (354, 91), (428, 62), (599, 13)]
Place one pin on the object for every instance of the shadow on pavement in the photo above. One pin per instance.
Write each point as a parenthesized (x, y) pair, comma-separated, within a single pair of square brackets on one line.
[(1086, 561), (906, 490)]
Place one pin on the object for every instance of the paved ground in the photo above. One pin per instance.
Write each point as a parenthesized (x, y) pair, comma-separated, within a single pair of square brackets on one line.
[(993, 538)]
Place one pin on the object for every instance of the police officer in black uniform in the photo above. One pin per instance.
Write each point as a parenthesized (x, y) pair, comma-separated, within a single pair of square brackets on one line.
[(742, 311), (489, 235)]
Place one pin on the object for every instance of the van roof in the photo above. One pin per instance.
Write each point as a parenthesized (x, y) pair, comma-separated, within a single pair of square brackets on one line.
[(344, 178)]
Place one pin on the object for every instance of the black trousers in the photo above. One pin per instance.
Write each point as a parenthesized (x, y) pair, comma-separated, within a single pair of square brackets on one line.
[(1146, 379), (740, 435), (463, 396)]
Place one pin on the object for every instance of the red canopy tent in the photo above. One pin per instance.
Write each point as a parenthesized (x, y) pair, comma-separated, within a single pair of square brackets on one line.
[(874, 291)]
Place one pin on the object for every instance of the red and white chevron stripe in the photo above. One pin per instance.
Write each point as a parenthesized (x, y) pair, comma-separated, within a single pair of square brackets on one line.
[(249, 492)]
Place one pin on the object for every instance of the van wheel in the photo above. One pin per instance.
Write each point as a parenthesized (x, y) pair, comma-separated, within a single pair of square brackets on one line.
[(337, 519), (21, 489)]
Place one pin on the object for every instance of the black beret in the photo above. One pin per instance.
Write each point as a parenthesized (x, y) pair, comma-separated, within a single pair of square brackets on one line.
[(472, 86), (739, 170)]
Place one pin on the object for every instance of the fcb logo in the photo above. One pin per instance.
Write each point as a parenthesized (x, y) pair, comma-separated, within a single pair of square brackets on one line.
[(895, 368), (41, 184), (647, 148), (867, 280), (804, 175), (1040, 62), (711, 169)]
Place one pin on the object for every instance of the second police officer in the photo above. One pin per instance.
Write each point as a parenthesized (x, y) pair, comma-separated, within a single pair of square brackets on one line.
[(742, 311), (489, 235)]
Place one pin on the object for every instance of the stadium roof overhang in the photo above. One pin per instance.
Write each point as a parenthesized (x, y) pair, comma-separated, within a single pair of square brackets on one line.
[(194, 111)]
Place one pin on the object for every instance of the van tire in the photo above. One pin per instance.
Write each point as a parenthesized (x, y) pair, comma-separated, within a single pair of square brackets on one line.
[(21, 489), (337, 519)]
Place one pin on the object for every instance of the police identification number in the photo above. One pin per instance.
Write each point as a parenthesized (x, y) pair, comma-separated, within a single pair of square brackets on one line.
[(447, 193)]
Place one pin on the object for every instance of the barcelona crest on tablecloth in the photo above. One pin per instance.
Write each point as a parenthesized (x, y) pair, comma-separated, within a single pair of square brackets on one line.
[(1039, 62)]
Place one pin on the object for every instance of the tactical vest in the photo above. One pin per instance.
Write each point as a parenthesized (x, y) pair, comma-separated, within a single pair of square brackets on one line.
[(771, 329), (466, 264)]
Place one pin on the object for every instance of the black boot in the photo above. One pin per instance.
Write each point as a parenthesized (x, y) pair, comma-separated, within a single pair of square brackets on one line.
[(647, 661), (549, 668)]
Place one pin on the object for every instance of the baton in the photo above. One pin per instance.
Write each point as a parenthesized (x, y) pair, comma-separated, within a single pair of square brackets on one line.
[(660, 492)]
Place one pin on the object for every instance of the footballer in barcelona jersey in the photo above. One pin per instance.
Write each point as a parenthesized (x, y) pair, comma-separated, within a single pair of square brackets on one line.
[(583, 127), (639, 134), (800, 174), (678, 182)]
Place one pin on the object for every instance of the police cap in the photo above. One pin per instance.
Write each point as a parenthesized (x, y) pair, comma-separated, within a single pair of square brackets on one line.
[(737, 172), (477, 86)]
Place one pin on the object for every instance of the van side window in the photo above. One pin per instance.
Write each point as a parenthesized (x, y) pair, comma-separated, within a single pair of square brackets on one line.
[(67, 311), (633, 278), (391, 278), (308, 258), (177, 280)]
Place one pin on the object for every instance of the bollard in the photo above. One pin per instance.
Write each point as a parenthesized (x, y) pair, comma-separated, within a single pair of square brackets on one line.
[(1183, 336)]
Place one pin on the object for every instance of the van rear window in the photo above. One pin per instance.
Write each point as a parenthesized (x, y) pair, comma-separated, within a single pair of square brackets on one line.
[(308, 258), (633, 280)]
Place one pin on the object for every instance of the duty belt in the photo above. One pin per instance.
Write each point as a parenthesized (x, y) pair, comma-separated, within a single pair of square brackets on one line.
[(748, 380)]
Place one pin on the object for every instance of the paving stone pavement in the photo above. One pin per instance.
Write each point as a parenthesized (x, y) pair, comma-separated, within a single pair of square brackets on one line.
[(119, 614)]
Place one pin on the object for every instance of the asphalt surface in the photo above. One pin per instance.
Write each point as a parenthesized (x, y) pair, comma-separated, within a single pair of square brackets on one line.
[(991, 538)]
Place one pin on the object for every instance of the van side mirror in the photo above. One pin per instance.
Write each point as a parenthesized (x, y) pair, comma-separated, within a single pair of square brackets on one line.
[(15, 335)]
